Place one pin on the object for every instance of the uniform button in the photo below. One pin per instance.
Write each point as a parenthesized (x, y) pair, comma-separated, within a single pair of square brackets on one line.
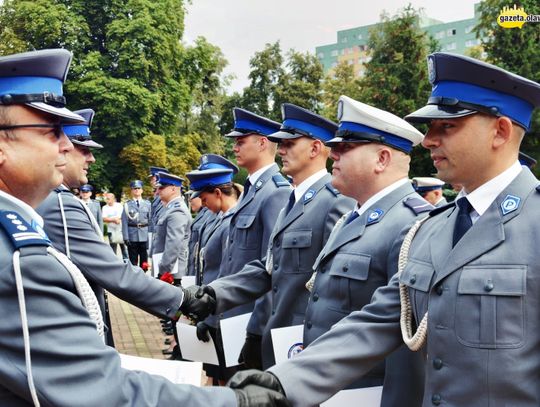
[(436, 399), (277, 243), (315, 297), (412, 280), (275, 266), (437, 363), (273, 312), (230, 241), (323, 269), (345, 268), (294, 241), (439, 290), (275, 288), (230, 258), (309, 325), (488, 287)]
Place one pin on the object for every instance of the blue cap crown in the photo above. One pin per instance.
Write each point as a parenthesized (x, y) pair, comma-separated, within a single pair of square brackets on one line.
[(35, 79), (86, 188), (79, 133), (136, 184), (464, 86), (246, 122), (298, 122), (166, 178), (155, 170), (214, 161)]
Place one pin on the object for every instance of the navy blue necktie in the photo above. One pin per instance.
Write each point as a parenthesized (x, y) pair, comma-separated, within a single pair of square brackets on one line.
[(247, 185), (463, 221), (292, 201), (352, 216)]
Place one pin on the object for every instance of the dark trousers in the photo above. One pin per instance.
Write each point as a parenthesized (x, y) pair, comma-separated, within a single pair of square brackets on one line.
[(138, 253), (122, 249)]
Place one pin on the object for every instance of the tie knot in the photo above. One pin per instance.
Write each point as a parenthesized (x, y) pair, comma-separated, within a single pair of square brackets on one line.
[(464, 205)]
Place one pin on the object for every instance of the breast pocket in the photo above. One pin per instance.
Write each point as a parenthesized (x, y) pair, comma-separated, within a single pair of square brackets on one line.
[(350, 285), (246, 236), (417, 275), (295, 245), (490, 306)]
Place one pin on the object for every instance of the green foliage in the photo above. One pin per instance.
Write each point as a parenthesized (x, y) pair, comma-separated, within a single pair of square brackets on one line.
[(396, 77), (515, 50), (342, 81)]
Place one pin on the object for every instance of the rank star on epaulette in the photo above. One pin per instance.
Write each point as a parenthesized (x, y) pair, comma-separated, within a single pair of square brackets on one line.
[(20, 231), (510, 204)]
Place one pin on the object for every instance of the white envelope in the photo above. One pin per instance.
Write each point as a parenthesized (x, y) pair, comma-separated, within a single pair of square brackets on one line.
[(174, 370), (287, 341), (233, 332), (192, 348), (188, 281)]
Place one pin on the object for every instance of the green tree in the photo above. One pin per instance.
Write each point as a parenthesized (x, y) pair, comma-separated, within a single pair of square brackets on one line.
[(515, 50), (396, 77), (340, 81)]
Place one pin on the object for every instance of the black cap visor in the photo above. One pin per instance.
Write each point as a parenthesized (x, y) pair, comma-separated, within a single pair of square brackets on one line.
[(434, 112)]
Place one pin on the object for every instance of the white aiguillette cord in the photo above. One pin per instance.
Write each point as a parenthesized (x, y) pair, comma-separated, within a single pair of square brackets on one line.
[(416, 341)]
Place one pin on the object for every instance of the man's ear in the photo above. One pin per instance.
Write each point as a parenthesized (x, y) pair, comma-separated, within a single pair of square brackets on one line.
[(503, 131)]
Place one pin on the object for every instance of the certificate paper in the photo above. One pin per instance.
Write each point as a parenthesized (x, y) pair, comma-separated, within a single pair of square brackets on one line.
[(287, 342), (174, 370), (233, 332), (192, 348)]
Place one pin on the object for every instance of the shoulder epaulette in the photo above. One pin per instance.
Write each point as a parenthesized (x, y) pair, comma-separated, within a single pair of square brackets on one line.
[(21, 232), (280, 180), (417, 205), (331, 188), (441, 209)]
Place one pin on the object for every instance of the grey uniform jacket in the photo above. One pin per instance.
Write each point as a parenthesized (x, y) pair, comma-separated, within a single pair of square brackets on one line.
[(212, 253), (296, 241), (95, 208), (156, 209), (70, 364), (135, 221), (483, 296), (171, 237), (99, 264), (249, 232), (204, 216), (358, 258)]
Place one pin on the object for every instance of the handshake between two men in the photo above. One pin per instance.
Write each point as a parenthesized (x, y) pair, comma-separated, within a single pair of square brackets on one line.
[(253, 388)]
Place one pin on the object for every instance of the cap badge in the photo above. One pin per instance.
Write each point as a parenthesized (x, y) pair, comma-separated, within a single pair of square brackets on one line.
[(432, 73), (510, 204), (340, 110)]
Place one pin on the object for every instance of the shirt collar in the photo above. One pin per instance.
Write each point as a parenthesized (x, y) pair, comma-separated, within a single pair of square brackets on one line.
[(27, 210), (302, 188), (379, 195), (257, 174), (483, 196)]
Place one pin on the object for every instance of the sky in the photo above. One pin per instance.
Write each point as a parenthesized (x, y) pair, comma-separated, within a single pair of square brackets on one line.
[(242, 27)]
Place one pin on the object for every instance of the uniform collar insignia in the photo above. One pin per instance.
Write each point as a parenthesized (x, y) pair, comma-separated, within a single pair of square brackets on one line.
[(374, 216), (510, 204)]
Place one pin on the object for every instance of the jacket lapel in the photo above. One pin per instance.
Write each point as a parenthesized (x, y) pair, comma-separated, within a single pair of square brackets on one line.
[(485, 234)]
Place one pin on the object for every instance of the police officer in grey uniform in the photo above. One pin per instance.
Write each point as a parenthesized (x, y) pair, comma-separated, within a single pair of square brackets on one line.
[(171, 236), (50, 346), (431, 189), (203, 217), (93, 205), (468, 290), (135, 220), (266, 192), (301, 229), (156, 206)]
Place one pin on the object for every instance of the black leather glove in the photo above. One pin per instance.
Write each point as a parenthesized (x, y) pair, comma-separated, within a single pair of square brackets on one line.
[(198, 302), (251, 353), (203, 333), (255, 388)]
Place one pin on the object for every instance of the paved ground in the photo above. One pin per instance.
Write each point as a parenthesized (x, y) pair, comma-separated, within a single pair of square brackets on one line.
[(135, 332)]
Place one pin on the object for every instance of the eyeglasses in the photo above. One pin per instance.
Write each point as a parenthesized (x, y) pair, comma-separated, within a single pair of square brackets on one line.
[(58, 131)]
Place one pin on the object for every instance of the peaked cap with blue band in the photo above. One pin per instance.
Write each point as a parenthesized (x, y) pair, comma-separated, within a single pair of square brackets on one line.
[(425, 184), (361, 123), (214, 170), (86, 188), (166, 179), (213, 161), (526, 160), (35, 79), (463, 86), (155, 170), (136, 184), (79, 134), (300, 122), (246, 123)]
